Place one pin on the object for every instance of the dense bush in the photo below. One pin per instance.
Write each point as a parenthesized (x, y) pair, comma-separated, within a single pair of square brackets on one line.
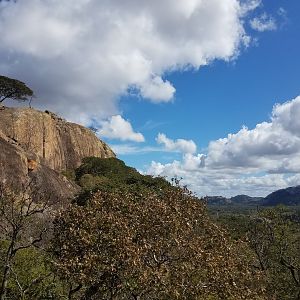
[(273, 235), (25, 268), (32, 276), (275, 239), (117, 173), (111, 174), (109, 167), (130, 236), (121, 245)]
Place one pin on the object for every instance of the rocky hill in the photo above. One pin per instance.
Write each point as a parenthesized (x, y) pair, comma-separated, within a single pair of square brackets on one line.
[(51, 140), (236, 200), (288, 196), (37, 146), (246, 200)]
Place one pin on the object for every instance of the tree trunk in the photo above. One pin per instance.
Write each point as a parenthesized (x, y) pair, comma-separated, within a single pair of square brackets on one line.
[(4, 282), (6, 272)]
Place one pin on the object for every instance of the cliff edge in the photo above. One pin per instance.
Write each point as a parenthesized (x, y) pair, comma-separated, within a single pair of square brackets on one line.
[(49, 139), (37, 146)]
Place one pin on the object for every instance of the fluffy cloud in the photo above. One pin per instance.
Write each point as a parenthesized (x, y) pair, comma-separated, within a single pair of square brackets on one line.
[(206, 181), (263, 23), (118, 128), (157, 90), (287, 115), (252, 161), (180, 145), (80, 57), (266, 147)]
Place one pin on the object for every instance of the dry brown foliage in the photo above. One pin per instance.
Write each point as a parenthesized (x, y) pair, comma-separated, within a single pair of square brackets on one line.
[(124, 246)]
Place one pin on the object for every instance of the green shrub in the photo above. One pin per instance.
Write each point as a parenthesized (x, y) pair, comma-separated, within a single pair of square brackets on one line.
[(32, 276), (88, 181), (111, 174), (70, 174)]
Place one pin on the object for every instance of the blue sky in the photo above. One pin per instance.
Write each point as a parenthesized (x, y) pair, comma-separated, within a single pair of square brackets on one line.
[(194, 73), (220, 98)]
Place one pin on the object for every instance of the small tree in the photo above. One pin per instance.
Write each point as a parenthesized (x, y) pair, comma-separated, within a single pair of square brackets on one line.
[(275, 239), (14, 89), (23, 225)]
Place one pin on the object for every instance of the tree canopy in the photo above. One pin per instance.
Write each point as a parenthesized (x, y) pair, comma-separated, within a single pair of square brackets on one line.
[(14, 89), (120, 245), (130, 236)]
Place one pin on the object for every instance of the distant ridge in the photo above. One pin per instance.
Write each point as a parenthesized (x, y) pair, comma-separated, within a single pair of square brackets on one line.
[(288, 196), (236, 200)]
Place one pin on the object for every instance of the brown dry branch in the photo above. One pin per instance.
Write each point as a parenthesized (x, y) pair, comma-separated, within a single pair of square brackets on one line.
[(123, 246), (24, 223)]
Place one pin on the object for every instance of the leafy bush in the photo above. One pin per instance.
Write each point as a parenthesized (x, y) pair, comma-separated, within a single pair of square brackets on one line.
[(275, 239), (32, 276), (122, 245), (25, 228), (108, 167), (70, 174), (88, 181), (111, 174)]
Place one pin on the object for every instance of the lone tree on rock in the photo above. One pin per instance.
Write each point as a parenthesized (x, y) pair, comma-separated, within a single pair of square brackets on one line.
[(14, 89)]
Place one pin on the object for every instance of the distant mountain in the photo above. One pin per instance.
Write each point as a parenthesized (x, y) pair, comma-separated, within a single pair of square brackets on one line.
[(216, 200), (288, 196), (236, 200), (245, 199)]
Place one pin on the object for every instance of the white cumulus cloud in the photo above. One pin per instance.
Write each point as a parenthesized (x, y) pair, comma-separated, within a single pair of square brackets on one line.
[(266, 146), (157, 90), (252, 161), (179, 145), (80, 56), (288, 116), (118, 128)]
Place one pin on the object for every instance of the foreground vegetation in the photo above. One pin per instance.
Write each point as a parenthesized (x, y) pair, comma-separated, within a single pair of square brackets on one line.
[(273, 235), (129, 236)]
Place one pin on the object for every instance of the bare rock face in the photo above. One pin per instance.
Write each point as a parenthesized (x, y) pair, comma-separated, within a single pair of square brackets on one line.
[(36, 146), (13, 163), (20, 173), (50, 140)]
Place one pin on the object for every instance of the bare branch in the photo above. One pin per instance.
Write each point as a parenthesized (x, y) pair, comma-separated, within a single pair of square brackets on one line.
[(33, 243), (17, 281)]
